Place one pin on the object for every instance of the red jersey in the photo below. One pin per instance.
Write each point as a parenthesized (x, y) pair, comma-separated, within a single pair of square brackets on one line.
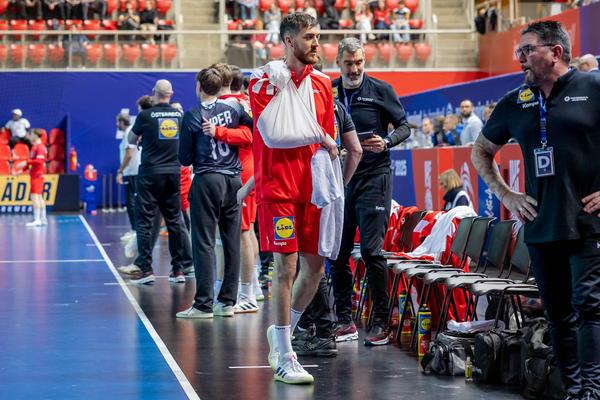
[(244, 151), (39, 154), (284, 175)]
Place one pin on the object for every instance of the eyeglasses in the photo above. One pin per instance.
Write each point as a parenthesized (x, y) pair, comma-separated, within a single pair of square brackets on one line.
[(529, 48)]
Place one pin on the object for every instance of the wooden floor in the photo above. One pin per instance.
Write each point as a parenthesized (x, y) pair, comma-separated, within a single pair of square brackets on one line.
[(73, 329)]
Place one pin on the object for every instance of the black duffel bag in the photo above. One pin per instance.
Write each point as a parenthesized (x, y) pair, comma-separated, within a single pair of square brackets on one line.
[(498, 357), (448, 353)]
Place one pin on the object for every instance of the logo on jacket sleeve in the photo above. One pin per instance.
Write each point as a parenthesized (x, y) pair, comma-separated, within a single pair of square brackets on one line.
[(168, 128), (284, 228)]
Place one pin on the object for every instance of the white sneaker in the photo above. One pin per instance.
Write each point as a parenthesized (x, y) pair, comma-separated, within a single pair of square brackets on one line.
[(260, 296), (245, 305), (125, 237), (129, 269), (131, 249), (273, 349), (147, 278), (221, 310), (289, 370), (189, 270), (194, 313), (35, 222), (44, 222)]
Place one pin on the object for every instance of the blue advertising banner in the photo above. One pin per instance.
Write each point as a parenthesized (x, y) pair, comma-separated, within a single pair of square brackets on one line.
[(590, 29), (403, 186), (488, 206)]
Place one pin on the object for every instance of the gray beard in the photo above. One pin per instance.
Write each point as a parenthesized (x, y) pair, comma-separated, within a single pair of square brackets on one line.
[(351, 84)]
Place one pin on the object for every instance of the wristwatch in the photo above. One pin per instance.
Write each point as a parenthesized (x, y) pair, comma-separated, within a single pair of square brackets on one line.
[(388, 143)]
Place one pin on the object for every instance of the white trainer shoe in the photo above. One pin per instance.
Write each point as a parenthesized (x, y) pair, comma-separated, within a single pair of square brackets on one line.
[(273, 349), (194, 313), (289, 370), (35, 222), (130, 248), (130, 269), (245, 305), (44, 222), (126, 236), (221, 310)]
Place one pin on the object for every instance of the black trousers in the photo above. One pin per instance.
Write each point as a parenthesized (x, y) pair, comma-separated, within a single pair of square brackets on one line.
[(368, 203), (130, 194), (318, 312), (154, 193), (213, 202), (568, 276)]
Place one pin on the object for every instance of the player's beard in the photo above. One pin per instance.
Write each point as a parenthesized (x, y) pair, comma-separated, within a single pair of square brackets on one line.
[(352, 82), (310, 57)]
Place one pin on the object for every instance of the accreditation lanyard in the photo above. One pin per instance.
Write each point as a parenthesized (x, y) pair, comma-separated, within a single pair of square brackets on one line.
[(348, 101), (543, 122), (544, 156)]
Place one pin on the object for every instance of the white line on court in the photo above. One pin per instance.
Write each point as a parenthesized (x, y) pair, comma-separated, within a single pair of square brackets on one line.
[(183, 381), (267, 366), (83, 260), (94, 244)]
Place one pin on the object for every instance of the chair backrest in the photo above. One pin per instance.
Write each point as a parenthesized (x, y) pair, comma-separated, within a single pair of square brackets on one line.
[(56, 167), (474, 247), (461, 236), (20, 152), (498, 245), (520, 255), (5, 154), (4, 167), (57, 136), (56, 152), (407, 228)]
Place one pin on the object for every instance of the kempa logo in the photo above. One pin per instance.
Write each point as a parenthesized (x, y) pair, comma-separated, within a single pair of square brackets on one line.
[(379, 208), (575, 98), (528, 105), (465, 174)]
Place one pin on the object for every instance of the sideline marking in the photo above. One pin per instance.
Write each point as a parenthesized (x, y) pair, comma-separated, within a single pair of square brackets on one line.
[(51, 261), (183, 381), (267, 366)]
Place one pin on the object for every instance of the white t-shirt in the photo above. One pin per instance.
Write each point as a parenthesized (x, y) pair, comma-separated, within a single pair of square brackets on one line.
[(134, 162), (19, 127)]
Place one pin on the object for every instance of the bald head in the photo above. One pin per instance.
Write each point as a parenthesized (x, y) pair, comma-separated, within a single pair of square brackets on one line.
[(587, 63), (163, 91)]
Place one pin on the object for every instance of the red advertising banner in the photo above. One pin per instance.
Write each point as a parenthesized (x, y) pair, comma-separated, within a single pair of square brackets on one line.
[(462, 164), (512, 169), (425, 170)]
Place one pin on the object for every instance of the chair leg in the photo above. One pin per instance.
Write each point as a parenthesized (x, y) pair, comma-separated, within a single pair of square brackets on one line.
[(393, 298), (444, 311), (407, 300), (422, 301)]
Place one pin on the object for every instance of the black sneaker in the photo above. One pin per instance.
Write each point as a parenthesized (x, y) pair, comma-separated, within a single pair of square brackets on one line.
[(315, 346), (378, 336)]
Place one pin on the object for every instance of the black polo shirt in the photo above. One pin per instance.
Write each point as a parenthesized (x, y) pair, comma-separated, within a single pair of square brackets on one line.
[(159, 127), (573, 129), (343, 122), (373, 106)]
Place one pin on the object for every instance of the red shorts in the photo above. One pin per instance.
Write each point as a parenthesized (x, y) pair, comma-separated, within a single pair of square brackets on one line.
[(248, 211), (37, 185), (289, 227)]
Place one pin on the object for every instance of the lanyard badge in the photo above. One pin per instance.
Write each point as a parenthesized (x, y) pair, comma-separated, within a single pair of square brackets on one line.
[(544, 156)]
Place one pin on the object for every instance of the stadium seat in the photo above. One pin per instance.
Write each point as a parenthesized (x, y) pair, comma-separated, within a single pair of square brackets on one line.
[(392, 4), (149, 53), (17, 53), (5, 154), (93, 53), (56, 152), (284, 5), (4, 167), (404, 52), (422, 51), (3, 26), (20, 152), (56, 167), (56, 54), (264, 5), (39, 25), (415, 23), (141, 4), (276, 52), (36, 54), (233, 25), (44, 137), (340, 5), (109, 24), (123, 5), (319, 6), (111, 52), (57, 136), (3, 53), (111, 6), (412, 5), (345, 23), (300, 3), (92, 25), (329, 52), (4, 136), (352, 5), (131, 53), (69, 23), (370, 51), (163, 6), (168, 53), (18, 25), (385, 52), (3, 6)]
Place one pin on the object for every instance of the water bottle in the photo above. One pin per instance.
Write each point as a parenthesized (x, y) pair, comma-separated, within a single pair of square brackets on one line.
[(468, 370), (424, 330)]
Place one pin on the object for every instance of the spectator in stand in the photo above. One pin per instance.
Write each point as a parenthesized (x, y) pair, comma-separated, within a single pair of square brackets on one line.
[(588, 63), (75, 45), (73, 9), (34, 9), (401, 17), (480, 21), (454, 193), (364, 21), (149, 19), (423, 138), (272, 20), (54, 9), (247, 9), (448, 135), (19, 128), (381, 17), (97, 6), (487, 112), (471, 123), (128, 20), (310, 9)]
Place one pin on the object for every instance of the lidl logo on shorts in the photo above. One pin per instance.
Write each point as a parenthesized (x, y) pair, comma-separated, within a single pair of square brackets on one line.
[(525, 96), (168, 128), (334, 91), (284, 228)]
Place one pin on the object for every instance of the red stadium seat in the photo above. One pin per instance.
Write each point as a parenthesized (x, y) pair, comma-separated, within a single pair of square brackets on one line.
[(57, 136), (3, 53), (56, 152), (233, 25), (329, 52), (4, 136), (264, 5), (111, 52), (69, 23), (93, 53), (284, 5), (385, 52), (352, 5), (3, 26), (111, 6), (141, 4), (109, 24), (39, 25), (422, 51), (36, 54), (131, 53), (123, 5), (415, 23), (56, 53), (149, 53), (404, 52), (92, 25), (18, 25), (56, 167), (163, 6), (370, 51), (168, 52), (319, 6), (5, 154), (276, 52), (300, 3), (3, 6), (4, 167), (17, 53), (20, 152), (412, 5), (340, 5), (166, 22), (345, 23)]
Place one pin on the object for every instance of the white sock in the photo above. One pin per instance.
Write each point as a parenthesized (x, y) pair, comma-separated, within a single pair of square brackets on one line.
[(43, 213), (284, 339), (256, 283), (36, 214), (218, 284), (295, 317), (248, 292)]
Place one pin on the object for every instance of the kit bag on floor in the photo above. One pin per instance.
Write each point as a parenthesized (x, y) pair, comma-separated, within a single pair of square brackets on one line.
[(447, 354), (498, 357)]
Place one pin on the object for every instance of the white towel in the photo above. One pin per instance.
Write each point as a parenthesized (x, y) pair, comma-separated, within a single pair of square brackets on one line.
[(328, 195)]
